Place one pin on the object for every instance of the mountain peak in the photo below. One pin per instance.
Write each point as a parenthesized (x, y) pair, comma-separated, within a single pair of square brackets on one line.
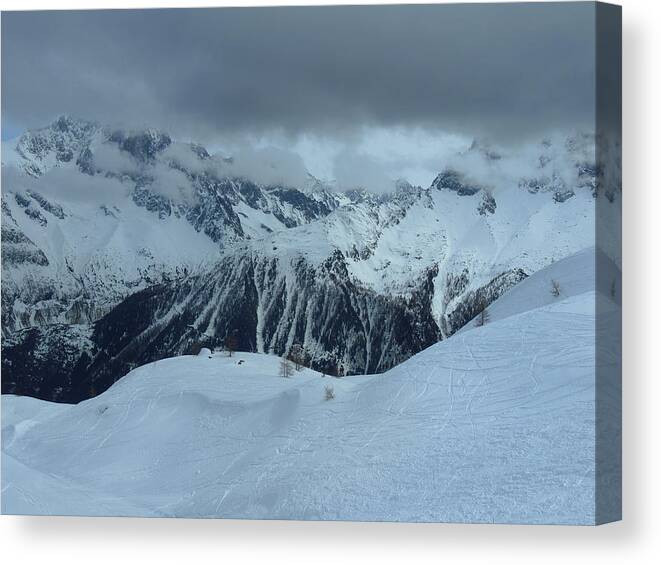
[(451, 179), (66, 123), (57, 143), (143, 145)]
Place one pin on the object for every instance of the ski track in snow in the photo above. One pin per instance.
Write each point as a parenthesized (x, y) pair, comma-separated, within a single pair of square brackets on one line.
[(495, 424)]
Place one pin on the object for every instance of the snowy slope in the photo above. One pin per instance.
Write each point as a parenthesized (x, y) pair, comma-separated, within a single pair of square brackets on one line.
[(495, 424), (583, 272)]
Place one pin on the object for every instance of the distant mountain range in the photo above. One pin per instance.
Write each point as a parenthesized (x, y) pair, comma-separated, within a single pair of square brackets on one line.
[(123, 247)]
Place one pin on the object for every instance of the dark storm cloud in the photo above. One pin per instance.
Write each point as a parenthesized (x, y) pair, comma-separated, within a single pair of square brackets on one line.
[(491, 69)]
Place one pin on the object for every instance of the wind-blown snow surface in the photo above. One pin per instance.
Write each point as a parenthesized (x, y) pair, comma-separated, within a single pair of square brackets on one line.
[(495, 424)]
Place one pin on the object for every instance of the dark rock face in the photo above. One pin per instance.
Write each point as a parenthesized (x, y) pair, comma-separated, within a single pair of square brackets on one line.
[(212, 209), (36, 215), (153, 201), (553, 184), (54, 209), (144, 146), (18, 249), (21, 200), (532, 185), (450, 179), (563, 196), (31, 201), (310, 208), (200, 151), (488, 205), (213, 212)]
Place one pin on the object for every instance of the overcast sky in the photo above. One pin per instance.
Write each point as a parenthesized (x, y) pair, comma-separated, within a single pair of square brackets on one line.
[(383, 90)]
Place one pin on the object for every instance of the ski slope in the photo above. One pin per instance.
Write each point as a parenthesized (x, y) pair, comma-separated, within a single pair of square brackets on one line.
[(495, 424)]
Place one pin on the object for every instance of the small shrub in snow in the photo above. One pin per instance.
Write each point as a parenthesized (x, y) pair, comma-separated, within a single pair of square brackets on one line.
[(329, 393), (286, 368), (297, 356), (230, 344), (555, 288)]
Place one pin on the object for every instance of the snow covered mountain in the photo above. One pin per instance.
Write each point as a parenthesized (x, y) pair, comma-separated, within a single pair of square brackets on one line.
[(178, 252), (90, 215), (494, 424)]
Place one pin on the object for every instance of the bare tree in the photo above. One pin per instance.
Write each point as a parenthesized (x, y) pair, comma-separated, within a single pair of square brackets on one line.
[(286, 368), (555, 288), (230, 344), (297, 356), (329, 393), (482, 318)]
